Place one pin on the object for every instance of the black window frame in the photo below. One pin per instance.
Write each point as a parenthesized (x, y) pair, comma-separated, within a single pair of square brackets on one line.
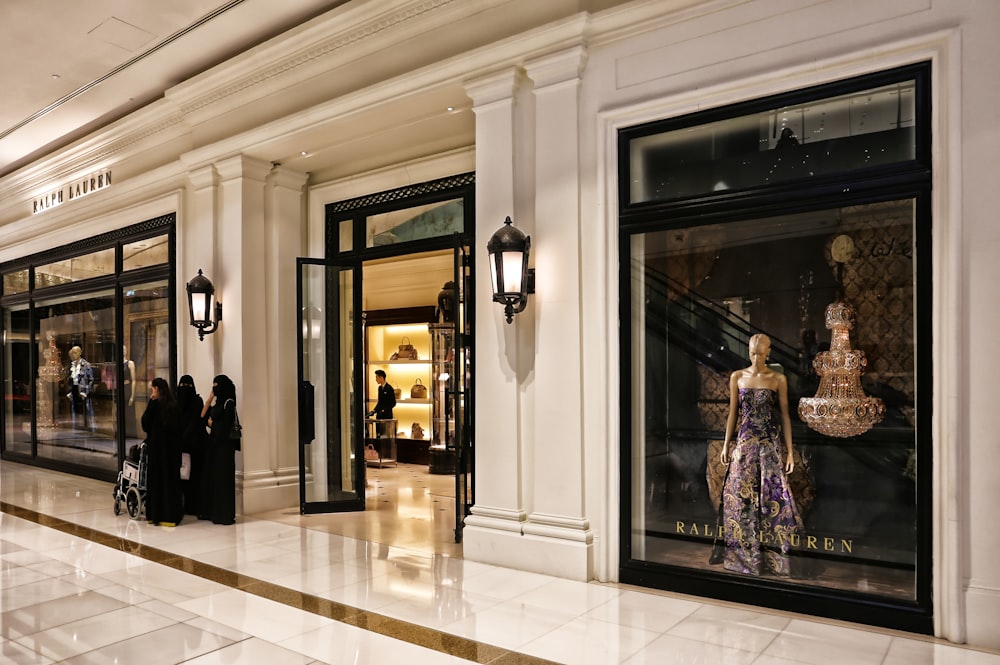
[(119, 281), (908, 179)]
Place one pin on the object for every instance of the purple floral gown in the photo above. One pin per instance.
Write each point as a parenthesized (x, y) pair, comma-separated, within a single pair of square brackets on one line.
[(758, 509)]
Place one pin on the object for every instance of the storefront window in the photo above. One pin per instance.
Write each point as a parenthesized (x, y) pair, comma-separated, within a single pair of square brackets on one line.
[(442, 218), (95, 264), (849, 505), (146, 349), (837, 134), (776, 411), (75, 405), (15, 282), (18, 379), (145, 253), (81, 344)]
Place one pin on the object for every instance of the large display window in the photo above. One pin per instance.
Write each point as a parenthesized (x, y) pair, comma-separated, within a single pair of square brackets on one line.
[(775, 373), (74, 406), (86, 328)]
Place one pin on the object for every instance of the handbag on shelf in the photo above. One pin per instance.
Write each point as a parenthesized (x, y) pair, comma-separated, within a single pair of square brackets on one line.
[(370, 453), (406, 351), (419, 390)]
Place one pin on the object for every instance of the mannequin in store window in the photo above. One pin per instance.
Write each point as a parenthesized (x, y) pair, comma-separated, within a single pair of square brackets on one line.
[(758, 512), (81, 385), (128, 388)]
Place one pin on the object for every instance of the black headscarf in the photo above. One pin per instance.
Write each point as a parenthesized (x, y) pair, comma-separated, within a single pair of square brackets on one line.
[(223, 388), (186, 392)]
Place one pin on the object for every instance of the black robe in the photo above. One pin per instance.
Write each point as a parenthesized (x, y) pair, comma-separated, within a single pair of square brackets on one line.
[(193, 442), (218, 496), (164, 502)]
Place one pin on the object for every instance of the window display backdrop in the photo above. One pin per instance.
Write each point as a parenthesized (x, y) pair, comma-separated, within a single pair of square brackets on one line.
[(707, 290)]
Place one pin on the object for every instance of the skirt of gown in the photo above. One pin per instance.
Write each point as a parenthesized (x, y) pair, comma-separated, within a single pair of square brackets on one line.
[(759, 515)]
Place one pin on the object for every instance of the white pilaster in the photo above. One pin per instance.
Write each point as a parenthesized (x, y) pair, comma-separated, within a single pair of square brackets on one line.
[(276, 486), (557, 529), (240, 278), (493, 530), (196, 244)]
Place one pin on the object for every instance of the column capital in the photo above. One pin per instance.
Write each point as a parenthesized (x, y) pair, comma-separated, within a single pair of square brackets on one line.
[(203, 177), (494, 87), (559, 67), (242, 166), (286, 178)]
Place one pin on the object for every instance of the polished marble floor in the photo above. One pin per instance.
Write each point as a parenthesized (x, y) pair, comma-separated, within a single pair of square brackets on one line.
[(81, 585)]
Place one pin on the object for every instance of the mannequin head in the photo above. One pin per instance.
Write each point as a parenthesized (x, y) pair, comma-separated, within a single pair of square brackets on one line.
[(760, 348), (75, 353)]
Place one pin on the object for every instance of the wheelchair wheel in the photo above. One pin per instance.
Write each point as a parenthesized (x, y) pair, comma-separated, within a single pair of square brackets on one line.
[(133, 503), (118, 506)]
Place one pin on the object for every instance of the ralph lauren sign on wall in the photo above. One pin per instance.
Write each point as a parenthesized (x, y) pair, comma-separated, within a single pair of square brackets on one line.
[(71, 191)]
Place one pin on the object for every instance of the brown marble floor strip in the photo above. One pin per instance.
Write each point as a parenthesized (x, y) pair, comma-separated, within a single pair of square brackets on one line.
[(430, 638)]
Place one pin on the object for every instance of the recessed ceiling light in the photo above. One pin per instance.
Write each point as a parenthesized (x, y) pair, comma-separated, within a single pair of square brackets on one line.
[(55, 76), (303, 153), (451, 108)]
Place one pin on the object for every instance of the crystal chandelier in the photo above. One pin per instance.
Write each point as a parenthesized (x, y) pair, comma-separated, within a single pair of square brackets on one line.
[(840, 408)]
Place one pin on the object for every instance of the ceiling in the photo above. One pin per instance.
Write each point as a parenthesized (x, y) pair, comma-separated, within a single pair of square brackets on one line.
[(76, 66)]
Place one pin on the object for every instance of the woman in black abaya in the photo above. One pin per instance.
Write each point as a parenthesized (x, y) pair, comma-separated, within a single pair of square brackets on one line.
[(218, 494), (163, 457), (192, 432)]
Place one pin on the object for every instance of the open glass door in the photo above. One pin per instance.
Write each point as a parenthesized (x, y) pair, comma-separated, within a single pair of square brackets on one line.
[(462, 390), (331, 466)]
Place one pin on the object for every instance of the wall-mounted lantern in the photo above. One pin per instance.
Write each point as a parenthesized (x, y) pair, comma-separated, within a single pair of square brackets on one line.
[(202, 304), (512, 279)]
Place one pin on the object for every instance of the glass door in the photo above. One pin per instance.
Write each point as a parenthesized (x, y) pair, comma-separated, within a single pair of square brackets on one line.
[(331, 463), (461, 390)]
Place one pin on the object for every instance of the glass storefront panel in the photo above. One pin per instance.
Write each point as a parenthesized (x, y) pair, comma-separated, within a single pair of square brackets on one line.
[(75, 269), (76, 370), (845, 518), (146, 350), (145, 253), (18, 379), (15, 282), (809, 139), (442, 218)]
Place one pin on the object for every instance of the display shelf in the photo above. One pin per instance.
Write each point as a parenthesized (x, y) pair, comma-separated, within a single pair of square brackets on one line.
[(382, 341), (435, 414)]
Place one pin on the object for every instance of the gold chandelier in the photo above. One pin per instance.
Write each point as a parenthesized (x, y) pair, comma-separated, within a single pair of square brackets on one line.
[(840, 408)]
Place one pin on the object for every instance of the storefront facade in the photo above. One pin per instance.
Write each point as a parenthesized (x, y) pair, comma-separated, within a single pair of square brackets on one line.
[(594, 435)]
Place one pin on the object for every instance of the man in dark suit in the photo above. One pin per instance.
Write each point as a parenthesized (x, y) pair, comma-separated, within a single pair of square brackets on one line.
[(386, 398)]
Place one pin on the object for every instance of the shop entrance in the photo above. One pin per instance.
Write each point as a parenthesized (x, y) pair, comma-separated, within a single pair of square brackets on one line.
[(388, 314), (423, 358)]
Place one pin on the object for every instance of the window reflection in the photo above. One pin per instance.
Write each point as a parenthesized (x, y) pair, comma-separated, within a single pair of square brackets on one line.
[(75, 382), (833, 135), (15, 282), (145, 253), (427, 221), (75, 269), (146, 351), (17, 379), (699, 293)]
